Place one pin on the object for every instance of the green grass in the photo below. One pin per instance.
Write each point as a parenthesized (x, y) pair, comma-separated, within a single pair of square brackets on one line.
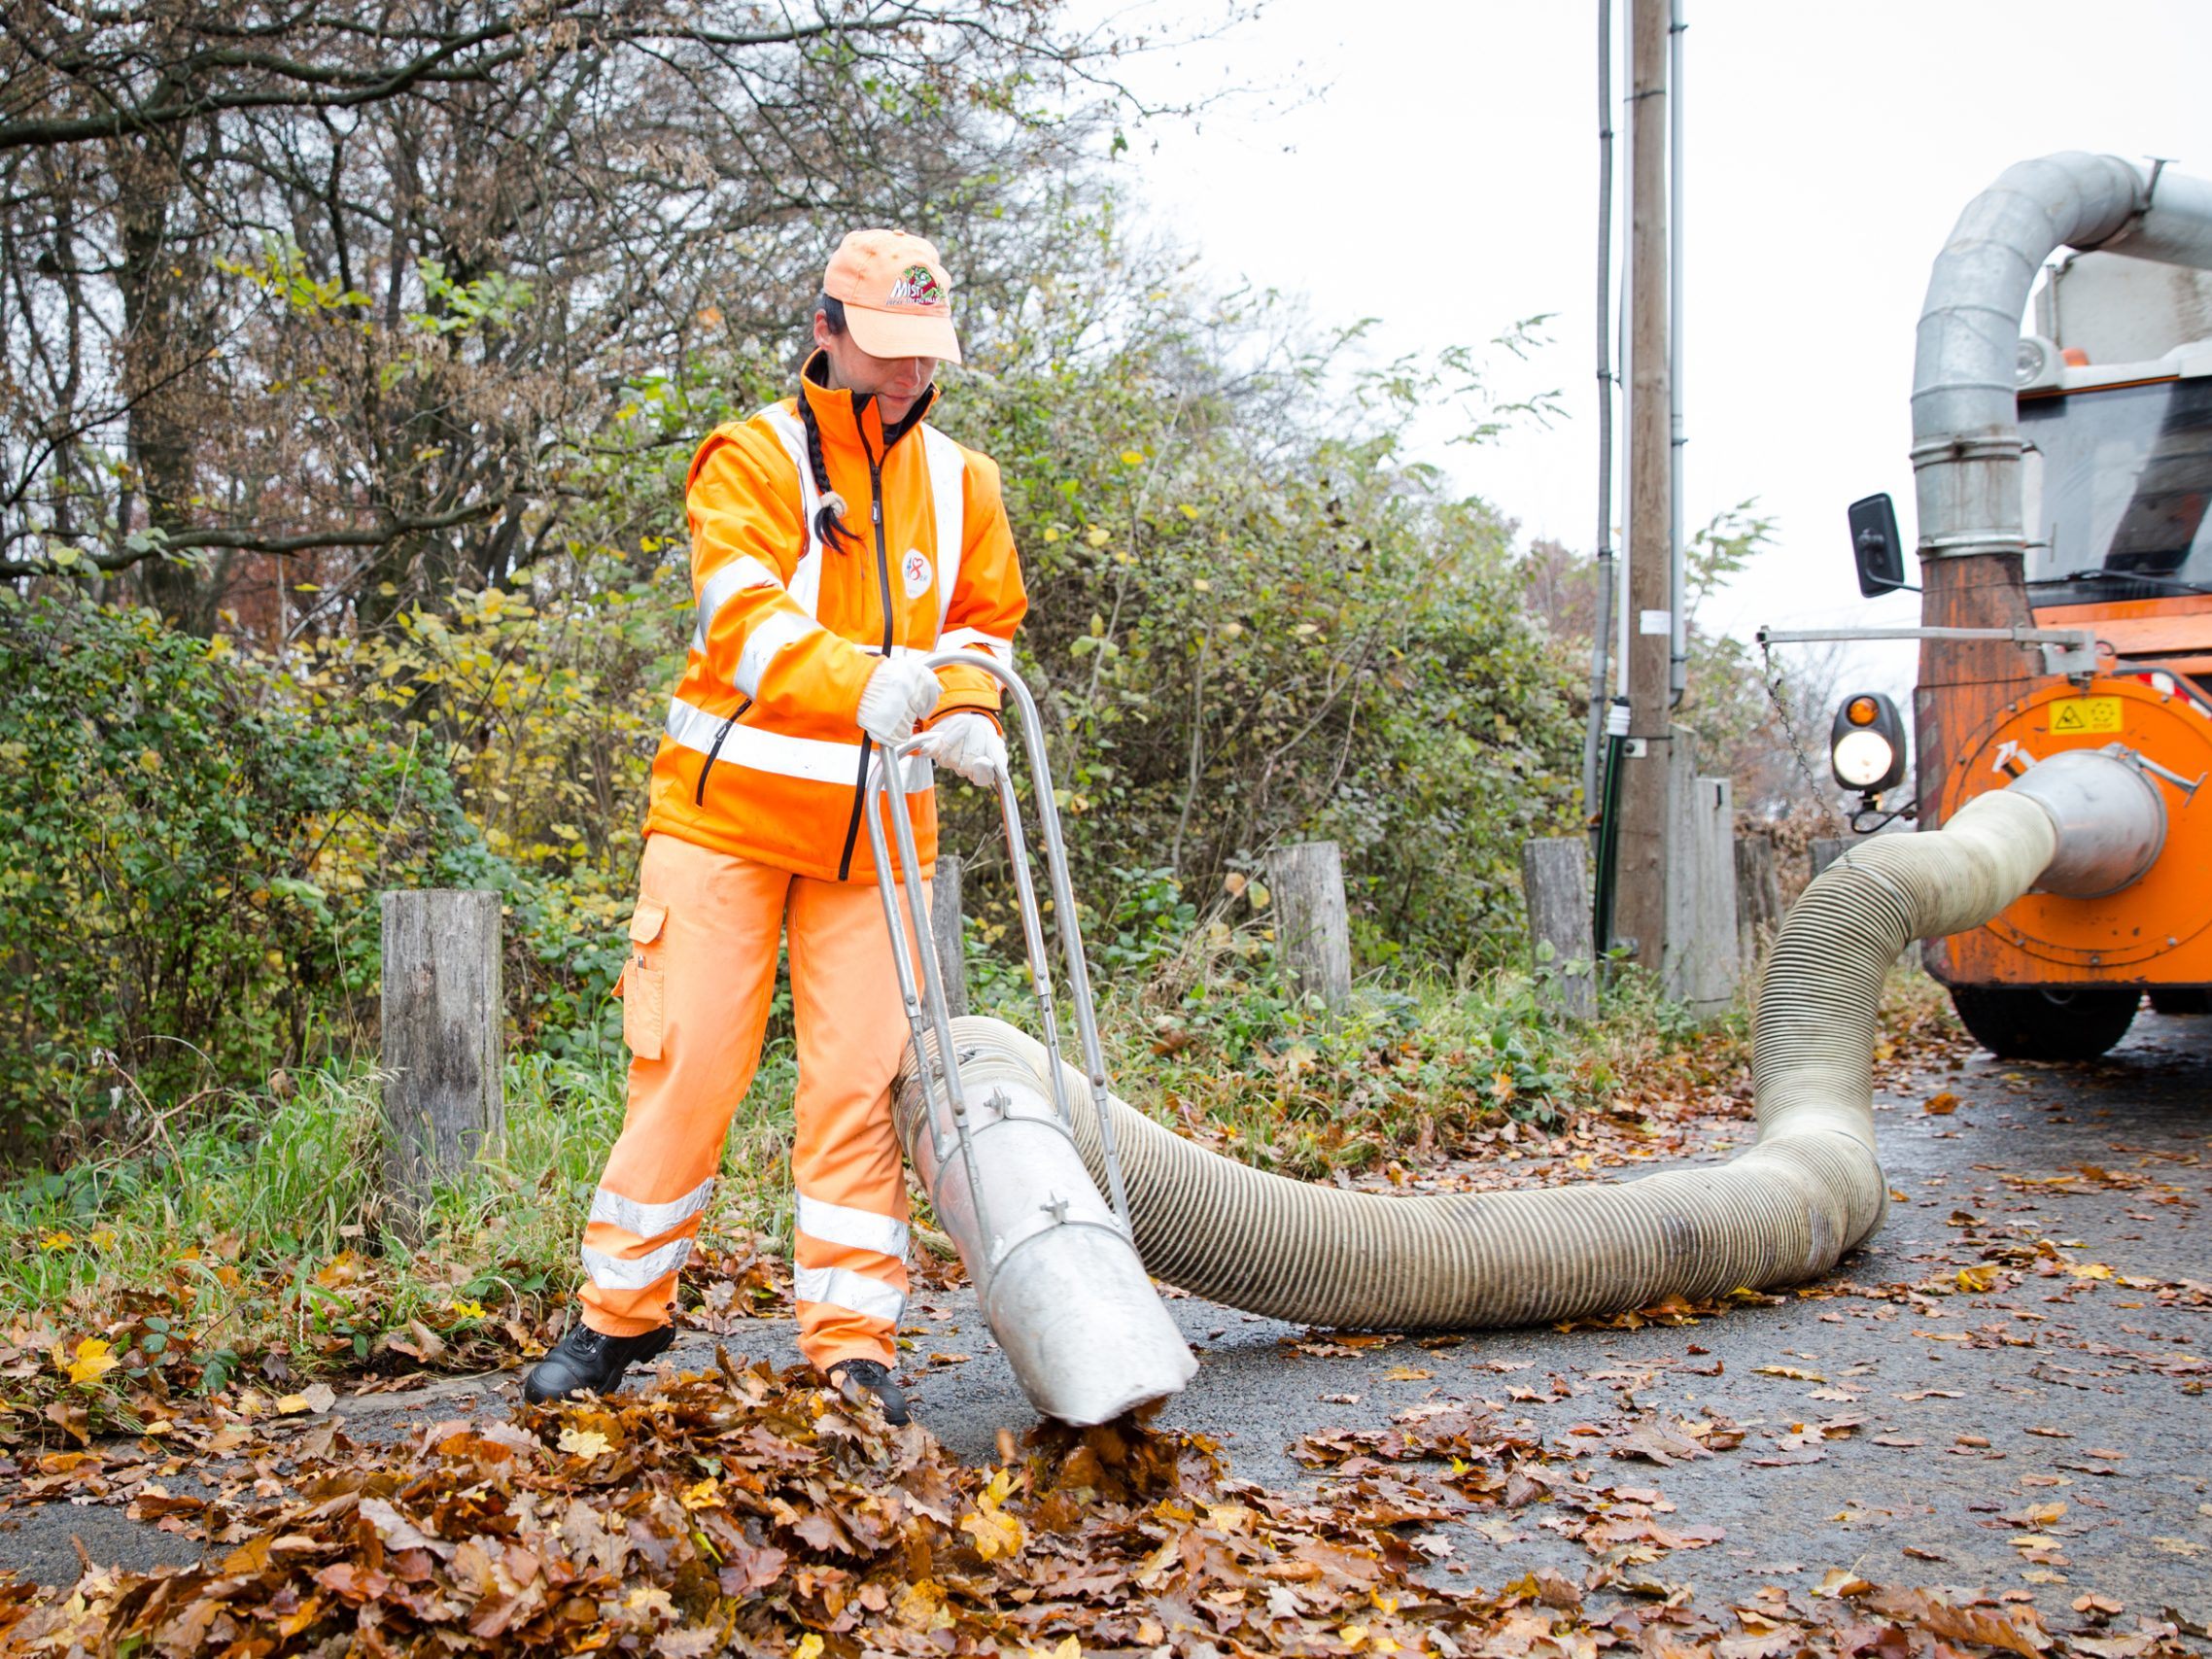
[(262, 1230), (1204, 1035)]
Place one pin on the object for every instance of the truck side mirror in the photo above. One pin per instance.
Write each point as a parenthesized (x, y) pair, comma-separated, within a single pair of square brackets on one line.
[(1876, 546)]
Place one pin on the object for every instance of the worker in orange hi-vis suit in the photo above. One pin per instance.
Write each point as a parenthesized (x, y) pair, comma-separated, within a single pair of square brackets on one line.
[(836, 538)]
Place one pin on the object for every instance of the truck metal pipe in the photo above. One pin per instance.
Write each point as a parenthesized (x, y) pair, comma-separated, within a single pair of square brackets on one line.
[(1966, 443), (1779, 1213)]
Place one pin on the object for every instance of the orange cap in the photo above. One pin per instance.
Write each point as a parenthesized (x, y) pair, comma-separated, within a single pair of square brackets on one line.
[(898, 300)]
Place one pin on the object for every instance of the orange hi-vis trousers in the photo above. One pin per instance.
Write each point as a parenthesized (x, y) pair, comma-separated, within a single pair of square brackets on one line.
[(696, 993)]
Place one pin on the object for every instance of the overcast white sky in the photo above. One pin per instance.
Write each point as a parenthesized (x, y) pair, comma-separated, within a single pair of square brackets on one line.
[(1444, 181)]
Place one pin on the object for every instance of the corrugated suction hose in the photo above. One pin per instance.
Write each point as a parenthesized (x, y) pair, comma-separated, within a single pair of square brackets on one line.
[(1779, 1213)]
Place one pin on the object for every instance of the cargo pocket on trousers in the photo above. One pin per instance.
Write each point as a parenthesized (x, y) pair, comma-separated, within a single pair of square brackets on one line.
[(643, 1008)]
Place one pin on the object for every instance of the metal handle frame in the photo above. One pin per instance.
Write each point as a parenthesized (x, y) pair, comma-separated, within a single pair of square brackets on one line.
[(927, 1011)]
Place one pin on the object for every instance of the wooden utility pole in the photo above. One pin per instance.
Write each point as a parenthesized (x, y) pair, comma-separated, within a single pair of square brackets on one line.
[(1640, 903)]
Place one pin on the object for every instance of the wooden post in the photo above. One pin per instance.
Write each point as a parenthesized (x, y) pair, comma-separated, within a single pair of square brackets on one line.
[(1824, 852), (945, 921), (1556, 885), (1758, 895), (1306, 883), (1646, 863), (443, 1095), (1699, 964)]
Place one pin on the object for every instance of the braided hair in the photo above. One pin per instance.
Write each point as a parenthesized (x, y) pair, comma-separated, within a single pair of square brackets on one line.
[(829, 517)]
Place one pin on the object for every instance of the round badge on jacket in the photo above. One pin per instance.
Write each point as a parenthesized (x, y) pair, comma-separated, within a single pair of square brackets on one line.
[(916, 571)]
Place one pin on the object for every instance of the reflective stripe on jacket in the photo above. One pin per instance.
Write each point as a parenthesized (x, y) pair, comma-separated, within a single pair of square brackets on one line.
[(763, 756)]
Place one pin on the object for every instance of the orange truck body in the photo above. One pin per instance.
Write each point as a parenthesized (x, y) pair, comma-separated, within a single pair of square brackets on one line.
[(2159, 931), (1986, 711)]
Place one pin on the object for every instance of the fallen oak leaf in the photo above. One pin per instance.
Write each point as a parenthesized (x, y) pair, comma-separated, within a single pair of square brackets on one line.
[(584, 1442), (1961, 1624), (1657, 1443), (93, 1360), (394, 1529), (995, 1532)]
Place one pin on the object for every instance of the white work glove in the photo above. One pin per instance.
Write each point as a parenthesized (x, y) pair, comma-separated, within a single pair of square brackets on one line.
[(967, 742), (900, 692)]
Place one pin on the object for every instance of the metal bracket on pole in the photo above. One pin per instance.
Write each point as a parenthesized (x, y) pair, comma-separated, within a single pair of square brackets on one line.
[(2068, 651)]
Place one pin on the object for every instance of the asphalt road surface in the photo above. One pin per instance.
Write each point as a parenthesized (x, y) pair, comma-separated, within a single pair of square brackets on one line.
[(1899, 1421)]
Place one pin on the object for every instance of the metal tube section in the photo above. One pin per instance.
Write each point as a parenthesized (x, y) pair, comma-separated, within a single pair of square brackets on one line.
[(1032, 932), (1679, 625), (1623, 604), (2175, 228), (2110, 817), (931, 1000), (1966, 443), (1601, 623)]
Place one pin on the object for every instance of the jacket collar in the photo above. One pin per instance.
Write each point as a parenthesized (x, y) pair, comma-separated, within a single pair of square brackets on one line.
[(853, 419)]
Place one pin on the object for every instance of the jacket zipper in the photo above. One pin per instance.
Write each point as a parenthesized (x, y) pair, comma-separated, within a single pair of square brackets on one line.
[(698, 796), (884, 587)]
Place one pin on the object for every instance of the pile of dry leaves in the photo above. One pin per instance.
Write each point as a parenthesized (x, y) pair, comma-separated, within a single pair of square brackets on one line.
[(744, 1512), (741, 1511)]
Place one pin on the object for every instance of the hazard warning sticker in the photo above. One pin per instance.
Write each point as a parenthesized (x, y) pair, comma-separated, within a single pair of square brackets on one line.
[(2082, 716)]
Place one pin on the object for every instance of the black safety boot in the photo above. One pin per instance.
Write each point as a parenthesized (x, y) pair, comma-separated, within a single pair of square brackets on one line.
[(858, 1379), (588, 1359)]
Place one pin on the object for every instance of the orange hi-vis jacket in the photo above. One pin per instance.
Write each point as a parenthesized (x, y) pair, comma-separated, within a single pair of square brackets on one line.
[(763, 757)]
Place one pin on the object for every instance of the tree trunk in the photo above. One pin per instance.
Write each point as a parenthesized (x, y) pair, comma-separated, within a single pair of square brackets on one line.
[(157, 364)]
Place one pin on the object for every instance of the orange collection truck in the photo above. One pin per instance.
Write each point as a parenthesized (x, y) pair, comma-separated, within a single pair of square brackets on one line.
[(2062, 478)]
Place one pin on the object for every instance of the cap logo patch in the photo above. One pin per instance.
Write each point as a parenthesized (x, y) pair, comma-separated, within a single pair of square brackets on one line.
[(917, 572), (917, 287)]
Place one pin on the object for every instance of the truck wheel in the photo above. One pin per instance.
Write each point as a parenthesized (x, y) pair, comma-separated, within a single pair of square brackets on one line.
[(2033, 1022), (2188, 999)]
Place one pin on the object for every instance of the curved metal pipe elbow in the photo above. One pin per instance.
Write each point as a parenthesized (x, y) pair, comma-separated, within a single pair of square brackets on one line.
[(1966, 443)]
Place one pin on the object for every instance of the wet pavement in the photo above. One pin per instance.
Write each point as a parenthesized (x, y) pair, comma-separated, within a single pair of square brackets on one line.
[(2029, 1330)]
